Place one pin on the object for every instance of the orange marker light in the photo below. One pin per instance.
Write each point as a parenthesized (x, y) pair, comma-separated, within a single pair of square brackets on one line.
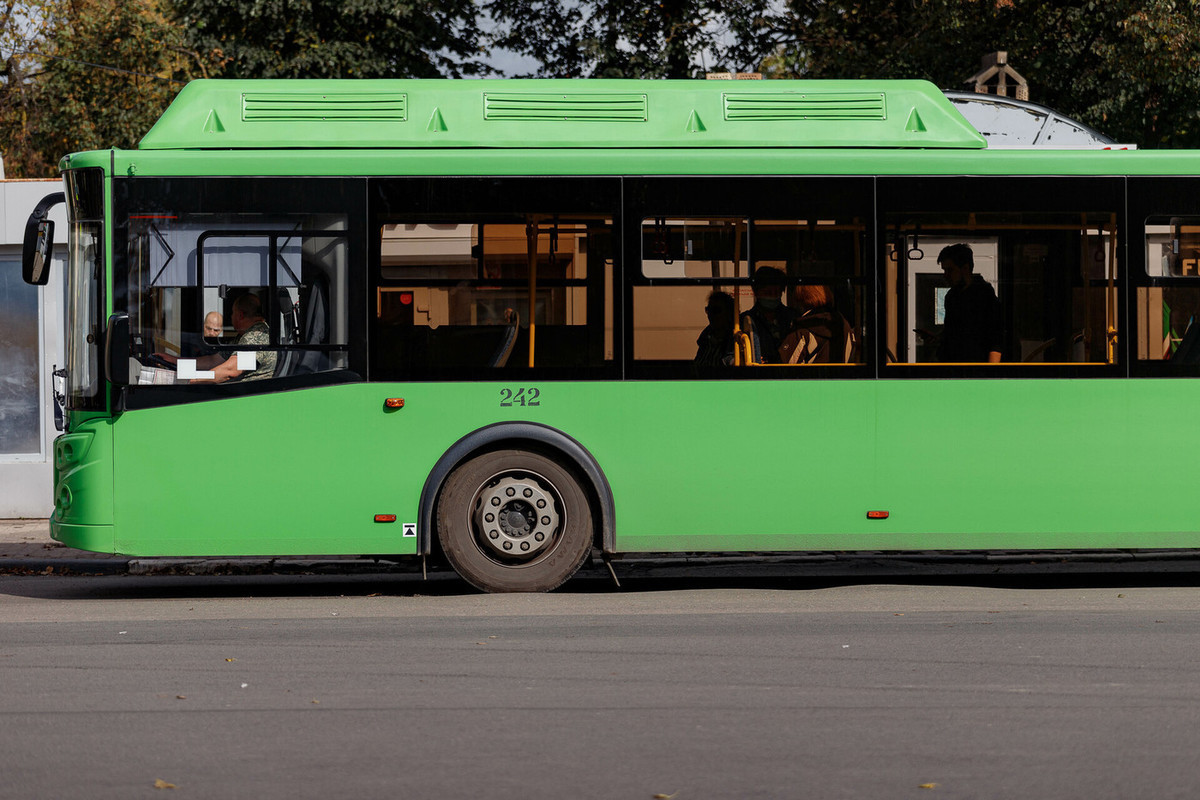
[(394, 402), (877, 514), (385, 517)]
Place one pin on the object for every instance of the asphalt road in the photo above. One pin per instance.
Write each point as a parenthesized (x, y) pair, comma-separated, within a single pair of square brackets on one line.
[(368, 686)]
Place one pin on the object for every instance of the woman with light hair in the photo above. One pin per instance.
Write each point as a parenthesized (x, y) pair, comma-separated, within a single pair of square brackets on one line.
[(820, 335)]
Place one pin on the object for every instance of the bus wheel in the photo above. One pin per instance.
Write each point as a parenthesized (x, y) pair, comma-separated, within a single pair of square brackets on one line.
[(514, 521)]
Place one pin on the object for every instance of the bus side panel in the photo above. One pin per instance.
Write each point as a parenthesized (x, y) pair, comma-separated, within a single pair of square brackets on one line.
[(305, 472), (293, 473), (694, 466), (742, 466), (1037, 464)]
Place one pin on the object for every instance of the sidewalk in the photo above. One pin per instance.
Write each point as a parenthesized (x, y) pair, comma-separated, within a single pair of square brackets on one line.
[(26, 548)]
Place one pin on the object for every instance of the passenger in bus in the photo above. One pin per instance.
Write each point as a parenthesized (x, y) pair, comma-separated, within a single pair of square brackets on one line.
[(213, 324), (820, 335), (973, 326), (768, 321), (714, 348), (208, 344), (252, 330), (210, 341)]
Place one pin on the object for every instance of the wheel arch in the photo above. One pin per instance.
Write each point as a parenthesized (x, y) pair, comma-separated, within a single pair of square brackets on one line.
[(547, 440)]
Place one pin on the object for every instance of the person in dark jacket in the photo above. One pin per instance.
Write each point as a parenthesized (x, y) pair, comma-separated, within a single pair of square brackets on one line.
[(973, 328)]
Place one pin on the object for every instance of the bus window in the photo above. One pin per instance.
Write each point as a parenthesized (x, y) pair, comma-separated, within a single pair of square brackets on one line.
[(284, 278), (461, 295), (1168, 310), (1053, 278), (684, 261)]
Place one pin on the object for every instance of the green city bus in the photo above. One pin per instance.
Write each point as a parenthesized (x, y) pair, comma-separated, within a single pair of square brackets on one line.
[(478, 307)]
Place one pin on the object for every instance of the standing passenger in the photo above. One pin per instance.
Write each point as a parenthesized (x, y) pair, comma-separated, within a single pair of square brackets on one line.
[(972, 331)]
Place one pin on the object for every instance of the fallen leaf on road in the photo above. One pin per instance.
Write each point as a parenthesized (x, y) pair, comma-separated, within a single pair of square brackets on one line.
[(927, 786), (661, 796), (231, 659), (159, 783)]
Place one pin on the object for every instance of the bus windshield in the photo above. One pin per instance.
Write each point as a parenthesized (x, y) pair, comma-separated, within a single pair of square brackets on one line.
[(85, 226)]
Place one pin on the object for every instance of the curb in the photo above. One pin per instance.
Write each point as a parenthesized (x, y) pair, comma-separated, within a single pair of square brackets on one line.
[(651, 565), (63, 566)]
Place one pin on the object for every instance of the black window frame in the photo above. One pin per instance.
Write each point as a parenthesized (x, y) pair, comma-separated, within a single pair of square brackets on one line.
[(750, 197), (1157, 196), (918, 193), (500, 200), (260, 197)]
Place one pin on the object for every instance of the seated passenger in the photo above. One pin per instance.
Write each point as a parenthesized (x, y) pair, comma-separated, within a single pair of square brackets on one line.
[(768, 321), (210, 341), (820, 335), (213, 322), (714, 348), (252, 330)]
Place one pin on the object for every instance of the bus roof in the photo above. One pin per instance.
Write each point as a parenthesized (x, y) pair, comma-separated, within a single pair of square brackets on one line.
[(224, 114)]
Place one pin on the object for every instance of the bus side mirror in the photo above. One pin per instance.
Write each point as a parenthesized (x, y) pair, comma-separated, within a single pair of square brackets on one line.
[(116, 350), (39, 241)]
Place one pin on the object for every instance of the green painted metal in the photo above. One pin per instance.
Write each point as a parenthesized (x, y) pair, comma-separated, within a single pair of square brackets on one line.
[(497, 114), (970, 464), (83, 484), (962, 464), (777, 161)]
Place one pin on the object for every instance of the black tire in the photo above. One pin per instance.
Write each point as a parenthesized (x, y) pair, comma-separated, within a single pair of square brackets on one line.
[(514, 521)]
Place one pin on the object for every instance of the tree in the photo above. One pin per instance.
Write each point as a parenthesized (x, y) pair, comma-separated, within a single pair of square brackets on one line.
[(114, 66), (612, 39), (22, 30), (334, 39), (87, 74), (1126, 67)]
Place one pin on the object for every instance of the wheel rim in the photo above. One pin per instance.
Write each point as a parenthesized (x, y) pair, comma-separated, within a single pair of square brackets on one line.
[(517, 517)]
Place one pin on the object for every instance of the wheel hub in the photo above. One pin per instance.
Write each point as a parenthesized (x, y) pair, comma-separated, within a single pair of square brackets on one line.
[(516, 517)]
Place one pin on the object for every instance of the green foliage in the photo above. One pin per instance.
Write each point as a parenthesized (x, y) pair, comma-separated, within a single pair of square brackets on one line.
[(83, 74), (22, 29), (611, 39), (334, 38), (1130, 68), (93, 74), (112, 106)]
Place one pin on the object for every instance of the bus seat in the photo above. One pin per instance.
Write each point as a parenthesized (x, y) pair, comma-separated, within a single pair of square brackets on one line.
[(1188, 351), (316, 327), (289, 331), (751, 344), (500, 357)]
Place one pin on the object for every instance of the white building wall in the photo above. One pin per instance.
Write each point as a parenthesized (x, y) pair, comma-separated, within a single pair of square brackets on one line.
[(26, 453)]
